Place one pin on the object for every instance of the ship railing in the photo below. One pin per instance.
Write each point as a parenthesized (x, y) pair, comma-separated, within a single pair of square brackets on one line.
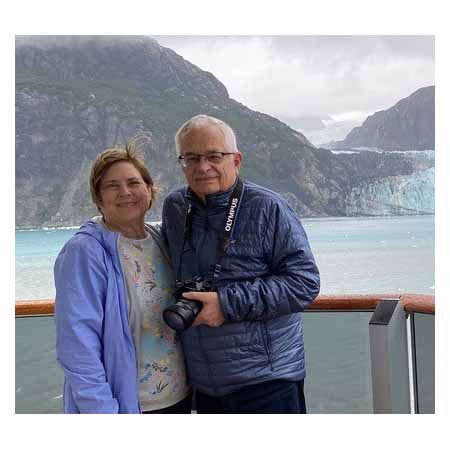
[(396, 337)]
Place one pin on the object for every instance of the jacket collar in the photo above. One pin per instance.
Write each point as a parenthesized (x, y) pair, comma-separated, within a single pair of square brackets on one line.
[(212, 201), (95, 228)]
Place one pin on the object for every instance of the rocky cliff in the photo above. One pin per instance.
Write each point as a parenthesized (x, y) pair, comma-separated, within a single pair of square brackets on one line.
[(76, 96), (408, 125)]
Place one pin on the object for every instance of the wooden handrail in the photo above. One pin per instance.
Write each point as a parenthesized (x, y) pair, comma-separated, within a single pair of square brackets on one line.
[(347, 302), (35, 308), (419, 303)]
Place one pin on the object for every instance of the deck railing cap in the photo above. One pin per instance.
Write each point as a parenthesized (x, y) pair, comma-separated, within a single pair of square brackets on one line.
[(419, 303)]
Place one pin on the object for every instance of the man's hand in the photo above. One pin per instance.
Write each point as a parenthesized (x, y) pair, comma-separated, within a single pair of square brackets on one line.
[(211, 313)]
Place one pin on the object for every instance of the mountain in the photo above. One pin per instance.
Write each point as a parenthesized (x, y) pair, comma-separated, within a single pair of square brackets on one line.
[(408, 125), (331, 131), (322, 131), (307, 123), (77, 95)]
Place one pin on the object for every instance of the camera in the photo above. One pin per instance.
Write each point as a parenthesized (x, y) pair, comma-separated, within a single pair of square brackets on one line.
[(183, 312)]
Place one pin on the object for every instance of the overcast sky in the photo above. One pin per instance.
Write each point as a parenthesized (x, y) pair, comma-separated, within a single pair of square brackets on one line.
[(346, 77)]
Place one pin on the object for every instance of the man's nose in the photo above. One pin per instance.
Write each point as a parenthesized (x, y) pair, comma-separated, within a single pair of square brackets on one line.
[(203, 163)]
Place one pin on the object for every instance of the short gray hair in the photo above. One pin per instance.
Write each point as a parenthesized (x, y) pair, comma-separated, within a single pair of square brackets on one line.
[(200, 121)]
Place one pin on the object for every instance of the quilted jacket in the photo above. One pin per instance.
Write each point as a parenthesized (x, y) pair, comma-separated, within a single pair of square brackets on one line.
[(268, 278)]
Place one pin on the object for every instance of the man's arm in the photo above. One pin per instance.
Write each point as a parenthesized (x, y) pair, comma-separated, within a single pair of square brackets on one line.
[(172, 223), (81, 282), (293, 283), (163, 227)]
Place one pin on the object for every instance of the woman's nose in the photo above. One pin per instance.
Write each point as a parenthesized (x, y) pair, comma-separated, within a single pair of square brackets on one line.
[(124, 190)]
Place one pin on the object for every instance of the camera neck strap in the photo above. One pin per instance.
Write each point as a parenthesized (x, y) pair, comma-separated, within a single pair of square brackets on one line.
[(228, 225)]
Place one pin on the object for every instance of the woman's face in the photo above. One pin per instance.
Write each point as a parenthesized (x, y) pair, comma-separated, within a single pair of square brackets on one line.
[(125, 197)]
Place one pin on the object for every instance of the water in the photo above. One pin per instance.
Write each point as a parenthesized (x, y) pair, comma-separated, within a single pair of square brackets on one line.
[(374, 255), (354, 255), (36, 252)]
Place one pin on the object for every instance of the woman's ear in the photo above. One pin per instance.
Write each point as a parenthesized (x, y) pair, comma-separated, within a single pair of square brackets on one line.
[(151, 196)]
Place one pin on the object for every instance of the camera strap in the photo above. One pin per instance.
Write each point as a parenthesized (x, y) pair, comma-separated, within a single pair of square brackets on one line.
[(230, 220)]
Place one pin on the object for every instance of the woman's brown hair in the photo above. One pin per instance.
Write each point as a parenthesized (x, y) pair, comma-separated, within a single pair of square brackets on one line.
[(108, 157)]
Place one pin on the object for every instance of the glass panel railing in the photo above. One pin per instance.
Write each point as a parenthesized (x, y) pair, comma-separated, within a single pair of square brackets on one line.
[(338, 376), (337, 357), (38, 378), (424, 342)]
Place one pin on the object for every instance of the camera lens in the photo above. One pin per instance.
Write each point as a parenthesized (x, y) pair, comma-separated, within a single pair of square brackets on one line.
[(174, 320), (181, 315)]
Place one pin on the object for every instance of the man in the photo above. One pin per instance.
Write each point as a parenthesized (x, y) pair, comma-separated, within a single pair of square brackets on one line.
[(244, 352)]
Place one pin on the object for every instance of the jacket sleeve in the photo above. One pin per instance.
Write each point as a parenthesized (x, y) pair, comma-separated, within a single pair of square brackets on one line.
[(163, 229), (159, 239), (293, 281), (81, 283)]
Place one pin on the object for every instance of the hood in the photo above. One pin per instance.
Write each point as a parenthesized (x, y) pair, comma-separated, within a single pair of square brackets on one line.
[(95, 228), (108, 239)]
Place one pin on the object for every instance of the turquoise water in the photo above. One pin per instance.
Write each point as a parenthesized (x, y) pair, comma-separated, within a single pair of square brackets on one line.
[(354, 255), (363, 255), (36, 252), (394, 254)]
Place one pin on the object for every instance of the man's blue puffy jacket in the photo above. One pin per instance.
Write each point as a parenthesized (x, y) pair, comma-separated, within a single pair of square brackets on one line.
[(268, 277)]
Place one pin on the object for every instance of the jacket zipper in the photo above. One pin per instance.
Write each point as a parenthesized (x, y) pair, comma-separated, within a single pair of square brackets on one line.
[(208, 365), (266, 343), (128, 323)]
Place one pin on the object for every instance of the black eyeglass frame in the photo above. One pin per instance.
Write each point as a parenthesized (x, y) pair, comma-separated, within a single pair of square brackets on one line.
[(182, 158)]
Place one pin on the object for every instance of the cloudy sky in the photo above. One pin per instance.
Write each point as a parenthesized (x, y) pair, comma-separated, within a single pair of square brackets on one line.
[(344, 77)]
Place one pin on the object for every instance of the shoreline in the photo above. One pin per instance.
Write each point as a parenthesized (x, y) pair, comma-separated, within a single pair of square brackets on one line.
[(303, 219)]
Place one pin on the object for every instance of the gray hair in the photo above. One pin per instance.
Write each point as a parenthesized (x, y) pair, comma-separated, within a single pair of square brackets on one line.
[(200, 121)]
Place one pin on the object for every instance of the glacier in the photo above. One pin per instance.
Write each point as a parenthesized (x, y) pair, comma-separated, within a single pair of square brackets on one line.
[(395, 195)]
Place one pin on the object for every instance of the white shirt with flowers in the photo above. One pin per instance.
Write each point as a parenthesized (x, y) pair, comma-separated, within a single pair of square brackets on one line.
[(149, 288)]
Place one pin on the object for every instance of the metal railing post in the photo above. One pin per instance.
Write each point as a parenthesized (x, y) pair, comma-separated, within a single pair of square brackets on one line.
[(389, 358)]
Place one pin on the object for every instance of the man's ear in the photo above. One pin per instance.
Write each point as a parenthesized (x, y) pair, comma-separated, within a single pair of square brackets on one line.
[(237, 158)]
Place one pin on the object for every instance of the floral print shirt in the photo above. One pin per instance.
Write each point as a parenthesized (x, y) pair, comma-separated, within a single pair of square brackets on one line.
[(149, 286)]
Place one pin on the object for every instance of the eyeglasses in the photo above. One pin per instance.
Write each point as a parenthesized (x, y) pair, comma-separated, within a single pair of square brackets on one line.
[(191, 160)]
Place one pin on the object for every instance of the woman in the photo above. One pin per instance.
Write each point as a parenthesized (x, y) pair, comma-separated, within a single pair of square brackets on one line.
[(112, 282)]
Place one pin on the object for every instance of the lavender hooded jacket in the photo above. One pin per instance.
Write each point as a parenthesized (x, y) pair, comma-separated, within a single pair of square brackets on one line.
[(94, 345)]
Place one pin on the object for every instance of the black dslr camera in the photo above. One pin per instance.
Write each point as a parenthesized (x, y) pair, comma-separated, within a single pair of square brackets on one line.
[(183, 312)]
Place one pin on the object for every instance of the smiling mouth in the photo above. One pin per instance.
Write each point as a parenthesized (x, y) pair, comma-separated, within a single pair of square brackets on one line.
[(127, 204), (202, 180)]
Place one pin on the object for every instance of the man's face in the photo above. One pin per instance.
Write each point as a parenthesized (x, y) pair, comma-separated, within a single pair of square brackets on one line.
[(205, 177)]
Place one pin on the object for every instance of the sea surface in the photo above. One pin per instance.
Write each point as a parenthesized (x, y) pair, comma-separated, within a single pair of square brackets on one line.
[(355, 256)]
